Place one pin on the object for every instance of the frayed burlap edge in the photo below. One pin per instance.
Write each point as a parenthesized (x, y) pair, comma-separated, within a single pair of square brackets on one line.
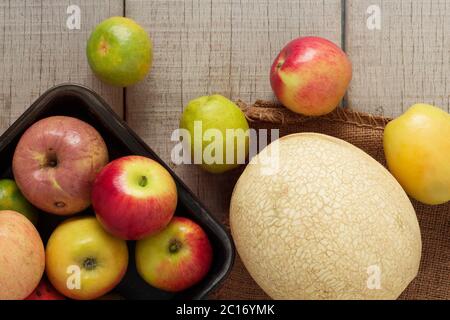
[(267, 111)]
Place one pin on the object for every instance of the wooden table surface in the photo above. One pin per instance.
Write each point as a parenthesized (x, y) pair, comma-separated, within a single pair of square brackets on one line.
[(227, 47)]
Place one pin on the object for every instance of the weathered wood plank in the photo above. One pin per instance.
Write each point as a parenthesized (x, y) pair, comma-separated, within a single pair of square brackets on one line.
[(203, 47), (39, 51), (405, 62)]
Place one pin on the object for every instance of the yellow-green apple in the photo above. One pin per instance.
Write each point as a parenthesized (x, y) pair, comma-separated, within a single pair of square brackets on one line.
[(310, 76), (22, 257), (218, 132), (55, 163), (133, 197), (45, 291), (83, 261), (176, 258)]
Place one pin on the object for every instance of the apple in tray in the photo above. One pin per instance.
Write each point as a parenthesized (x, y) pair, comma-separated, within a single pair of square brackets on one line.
[(22, 257), (175, 258), (83, 261), (55, 163), (134, 197), (45, 291)]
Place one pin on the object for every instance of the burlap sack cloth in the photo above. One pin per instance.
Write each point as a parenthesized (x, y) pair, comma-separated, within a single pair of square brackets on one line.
[(366, 132)]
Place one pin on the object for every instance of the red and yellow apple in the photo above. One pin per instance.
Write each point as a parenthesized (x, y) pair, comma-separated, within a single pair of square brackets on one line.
[(133, 197), (310, 76), (45, 291), (83, 261), (22, 258), (176, 258), (55, 163)]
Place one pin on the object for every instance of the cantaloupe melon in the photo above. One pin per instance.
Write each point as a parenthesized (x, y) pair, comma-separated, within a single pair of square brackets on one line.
[(329, 223)]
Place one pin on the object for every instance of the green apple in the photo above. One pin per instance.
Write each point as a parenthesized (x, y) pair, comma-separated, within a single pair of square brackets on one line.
[(218, 133), (12, 199)]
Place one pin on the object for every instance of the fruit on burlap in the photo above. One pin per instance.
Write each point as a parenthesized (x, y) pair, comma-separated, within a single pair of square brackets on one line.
[(314, 217), (417, 149), (310, 75)]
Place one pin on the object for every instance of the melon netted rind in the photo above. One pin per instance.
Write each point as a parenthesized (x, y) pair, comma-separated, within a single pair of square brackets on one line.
[(325, 224)]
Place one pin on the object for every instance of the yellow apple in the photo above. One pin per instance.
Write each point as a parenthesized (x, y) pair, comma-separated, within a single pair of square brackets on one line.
[(83, 261), (417, 149)]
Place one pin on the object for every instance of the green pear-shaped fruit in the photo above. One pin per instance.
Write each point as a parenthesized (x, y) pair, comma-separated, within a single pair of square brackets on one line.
[(219, 133)]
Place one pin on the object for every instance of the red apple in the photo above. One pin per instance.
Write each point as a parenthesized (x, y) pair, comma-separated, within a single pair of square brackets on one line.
[(175, 258), (55, 163), (45, 291), (133, 197), (22, 258), (310, 76)]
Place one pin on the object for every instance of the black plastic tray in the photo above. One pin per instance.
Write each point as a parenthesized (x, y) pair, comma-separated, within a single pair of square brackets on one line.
[(82, 103)]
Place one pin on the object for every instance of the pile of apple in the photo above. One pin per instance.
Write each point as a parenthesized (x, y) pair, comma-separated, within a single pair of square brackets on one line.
[(61, 167)]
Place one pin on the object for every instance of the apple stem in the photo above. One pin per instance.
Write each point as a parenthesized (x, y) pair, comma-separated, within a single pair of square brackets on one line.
[(51, 160), (174, 246), (89, 263), (143, 181)]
